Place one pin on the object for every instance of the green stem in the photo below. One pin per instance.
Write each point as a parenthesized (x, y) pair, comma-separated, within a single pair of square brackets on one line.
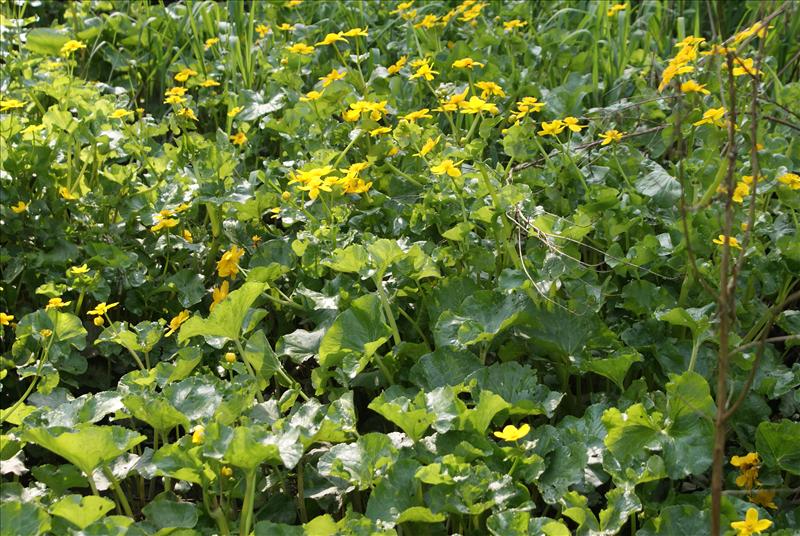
[(250, 370), (346, 149), (4, 415), (118, 491), (247, 505)]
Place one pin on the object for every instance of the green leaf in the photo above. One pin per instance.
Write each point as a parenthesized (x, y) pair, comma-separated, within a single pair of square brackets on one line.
[(480, 317), (227, 318), (659, 185), (82, 511), (259, 354), (361, 464), (167, 514), (352, 259), (405, 408), (509, 523), (86, 446), (677, 519), (23, 519), (778, 443), (394, 495), (267, 528), (443, 366), (353, 338), (250, 446), (517, 385), (614, 368), (155, 411), (46, 41)]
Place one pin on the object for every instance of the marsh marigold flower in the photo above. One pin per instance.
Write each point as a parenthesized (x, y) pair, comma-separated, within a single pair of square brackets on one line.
[(424, 71), (300, 48), (230, 357), (210, 42), (512, 433), (198, 434), (228, 265), (66, 194), (101, 308), (184, 74), (332, 76), (552, 128), (751, 524), (330, 39), (56, 303), (690, 86), (5, 319), (792, 180), (188, 113), (742, 190), (613, 10), (120, 113), (712, 116), (446, 166), (572, 124), (419, 114), (218, 294), (176, 322), (396, 66), (514, 24), (489, 89), (71, 47), (356, 32), (10, 104), (764, 498), (20, 207), (210, 82), (311, 96), (262, 30), (612, 135), (429, 144), (466, 63), (722, 239), (239, 139)]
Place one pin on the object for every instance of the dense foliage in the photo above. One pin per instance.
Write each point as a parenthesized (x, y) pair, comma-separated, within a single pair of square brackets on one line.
[(505, 268)]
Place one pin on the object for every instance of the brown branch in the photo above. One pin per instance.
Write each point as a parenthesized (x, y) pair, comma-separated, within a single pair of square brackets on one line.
[(782, 122), (725, 307), (782, 338), (774, 312)]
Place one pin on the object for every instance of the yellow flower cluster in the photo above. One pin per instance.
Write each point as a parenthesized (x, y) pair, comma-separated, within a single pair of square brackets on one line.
[(376, 110), (680, 63)]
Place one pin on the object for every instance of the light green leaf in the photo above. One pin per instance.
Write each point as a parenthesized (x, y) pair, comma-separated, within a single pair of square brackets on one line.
[(82, 511), (227, 317), (778, 443)]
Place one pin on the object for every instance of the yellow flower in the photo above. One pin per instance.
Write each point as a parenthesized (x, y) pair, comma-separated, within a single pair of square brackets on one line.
[(300, 48), (572, 124), (218, 294), (256, 239), (712, 116), (751, 524), (233, 112), (512, 433), (174, 99), (351, 115), (226, 471), (730, 239), (230, 357), (32, 129), (466, 63), (66, 194), (210, 42), (427, 22), (310, 174), (188, 113), (744, 66), (331, 38), (611, 135), (356, 32), (286, 27), (745, 462), (239, 139), (792, 180), (10, 104), (393, 151), (286, 195), (311, 96), (403, 6), (70, 47), (176, 322), (184, 74), (428, 146), (209, 83), (163, 223), (424, 71), (20, 207), (616, 8), (690, 86), (671, 71), (198, 434), (454, 102), (490, 89), (120, 113), (757, 28), (514, 24), (396, 66), (293, 3), (419, 114), (102, 308), (79, 270), (380, 130), (98, 321), (764, 498), (316, 185), (477, 105), (552, 128), (446, 166), (5, 319), (183, 207), (332, 76), (187, 235), (525, 107), (56, 303), (177, 90), (742, 190), (228, 265), (262, 30), (46, 333)]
